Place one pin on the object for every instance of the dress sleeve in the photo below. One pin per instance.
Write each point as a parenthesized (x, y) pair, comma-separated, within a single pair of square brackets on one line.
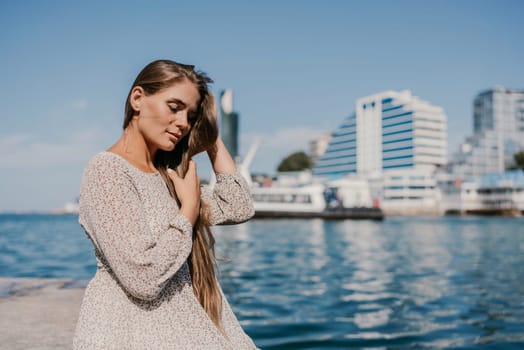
[(112, 214), (230, 200)]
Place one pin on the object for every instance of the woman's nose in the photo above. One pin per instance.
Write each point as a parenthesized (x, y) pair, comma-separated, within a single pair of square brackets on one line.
[(181, 120)]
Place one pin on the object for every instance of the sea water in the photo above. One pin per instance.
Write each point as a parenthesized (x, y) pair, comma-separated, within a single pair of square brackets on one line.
[(401, 283)]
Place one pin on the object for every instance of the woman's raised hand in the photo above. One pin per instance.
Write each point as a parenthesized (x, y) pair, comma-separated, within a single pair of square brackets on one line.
[(188, 191)]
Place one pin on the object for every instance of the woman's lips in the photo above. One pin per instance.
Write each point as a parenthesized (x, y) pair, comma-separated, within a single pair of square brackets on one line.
[(174, 135)]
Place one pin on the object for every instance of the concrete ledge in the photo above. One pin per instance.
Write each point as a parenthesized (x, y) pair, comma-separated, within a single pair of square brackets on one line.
[(39, 313)]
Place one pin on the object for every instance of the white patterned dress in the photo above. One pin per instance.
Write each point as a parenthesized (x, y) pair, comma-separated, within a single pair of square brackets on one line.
[(141, 296)]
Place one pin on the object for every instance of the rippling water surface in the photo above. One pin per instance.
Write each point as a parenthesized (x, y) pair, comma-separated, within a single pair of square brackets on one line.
[(403, 283)]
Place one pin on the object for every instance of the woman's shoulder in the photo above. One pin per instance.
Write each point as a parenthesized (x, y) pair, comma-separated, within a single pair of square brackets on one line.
[(105, 162), (113, 164), (103, 158), (104, 169)]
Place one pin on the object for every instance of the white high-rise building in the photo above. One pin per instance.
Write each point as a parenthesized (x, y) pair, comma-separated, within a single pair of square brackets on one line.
[(498, 121), (389, 130), (502, 111)]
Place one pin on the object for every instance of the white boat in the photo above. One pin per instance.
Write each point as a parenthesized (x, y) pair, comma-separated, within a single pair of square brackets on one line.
[(285, 198), (300, 195), (68, 208), (307, 199)]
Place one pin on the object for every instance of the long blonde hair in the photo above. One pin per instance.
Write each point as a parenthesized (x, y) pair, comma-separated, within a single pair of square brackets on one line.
[(154, 77)]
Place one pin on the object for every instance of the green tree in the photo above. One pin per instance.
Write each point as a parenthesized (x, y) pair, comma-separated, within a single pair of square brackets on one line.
[(519, 160), (295, 162)]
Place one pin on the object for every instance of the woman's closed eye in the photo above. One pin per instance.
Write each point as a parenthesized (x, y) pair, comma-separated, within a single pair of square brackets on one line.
[(174, 107)]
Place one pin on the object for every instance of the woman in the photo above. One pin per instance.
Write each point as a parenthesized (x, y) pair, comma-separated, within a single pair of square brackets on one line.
[(141, 206)]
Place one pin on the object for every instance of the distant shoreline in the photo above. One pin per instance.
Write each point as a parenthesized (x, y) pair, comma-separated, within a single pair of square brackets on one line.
[(36, 213)]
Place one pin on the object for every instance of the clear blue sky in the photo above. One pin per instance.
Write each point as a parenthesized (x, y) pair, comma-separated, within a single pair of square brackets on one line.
[(296, 68)]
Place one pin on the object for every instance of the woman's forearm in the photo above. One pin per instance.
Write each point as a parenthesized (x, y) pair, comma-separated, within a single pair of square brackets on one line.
[(220, 158)]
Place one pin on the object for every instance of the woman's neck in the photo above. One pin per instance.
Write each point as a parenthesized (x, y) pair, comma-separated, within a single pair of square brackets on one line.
[(132, 147)]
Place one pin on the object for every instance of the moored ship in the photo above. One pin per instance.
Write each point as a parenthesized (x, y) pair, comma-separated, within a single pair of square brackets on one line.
[(304, 198)]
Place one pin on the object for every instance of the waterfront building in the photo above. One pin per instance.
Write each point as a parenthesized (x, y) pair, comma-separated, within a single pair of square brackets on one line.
[(490, 194), (411, 192), (229, 123), (502, 111), (498, 125), (479, 154), (388, 130)]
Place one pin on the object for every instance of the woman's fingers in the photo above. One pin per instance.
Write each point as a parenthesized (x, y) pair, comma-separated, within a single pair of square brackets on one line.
[(188, 191), (191, 171), (172, 174)]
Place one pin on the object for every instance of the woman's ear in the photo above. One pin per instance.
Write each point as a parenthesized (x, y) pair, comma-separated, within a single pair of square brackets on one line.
[(136, 97)]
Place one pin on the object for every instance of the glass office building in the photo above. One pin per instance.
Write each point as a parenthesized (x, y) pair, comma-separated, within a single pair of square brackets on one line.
[(498, 124), (501, 111)]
